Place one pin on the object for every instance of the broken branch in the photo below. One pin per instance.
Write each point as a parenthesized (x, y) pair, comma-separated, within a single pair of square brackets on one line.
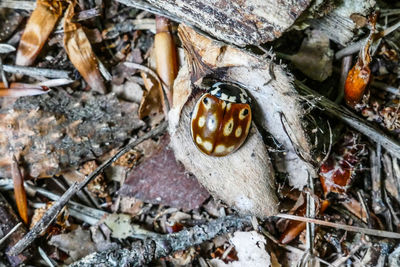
[(143, 252)]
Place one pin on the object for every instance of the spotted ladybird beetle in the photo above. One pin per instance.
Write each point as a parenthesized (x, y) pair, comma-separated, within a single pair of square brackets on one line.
[(221, 119)]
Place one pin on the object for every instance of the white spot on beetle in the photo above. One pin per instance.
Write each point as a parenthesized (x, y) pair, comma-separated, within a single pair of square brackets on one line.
[(199, 140), (228, 127), (238, 132), (220, 149), (207, 146), (202, 121), (230, 149), (243, 113), (212, 123)]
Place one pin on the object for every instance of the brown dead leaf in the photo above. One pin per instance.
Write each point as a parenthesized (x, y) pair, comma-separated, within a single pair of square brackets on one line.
[(40, 25), (97, 186), (77, 243), (80, 51), (160, 179)]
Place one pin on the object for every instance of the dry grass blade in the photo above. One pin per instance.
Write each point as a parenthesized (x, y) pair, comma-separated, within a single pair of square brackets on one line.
[(40, 25), (80, 51), (19, 191), (15, 228), (22, 89), (345, 227), (166, 58)]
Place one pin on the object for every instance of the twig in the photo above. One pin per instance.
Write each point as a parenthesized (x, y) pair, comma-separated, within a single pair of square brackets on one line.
[(129, 26), (45, 257), (32, 71), (3, 74), (18, 4), (345, 227), (353, 48), (348, 117), (142, 252), (52, 213), (289, 247), (346, 66), (340, 261), (375, 158), (386, 88), (15, 228)]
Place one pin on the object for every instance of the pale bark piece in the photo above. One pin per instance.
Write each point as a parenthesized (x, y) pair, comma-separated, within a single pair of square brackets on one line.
[(244, 179), (338, 25), (276, 103), (238, 22), (57, 131)]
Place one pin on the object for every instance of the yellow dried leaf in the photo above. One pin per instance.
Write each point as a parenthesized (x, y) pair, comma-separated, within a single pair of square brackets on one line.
[(153, 98), (80, 51), (37, 30)]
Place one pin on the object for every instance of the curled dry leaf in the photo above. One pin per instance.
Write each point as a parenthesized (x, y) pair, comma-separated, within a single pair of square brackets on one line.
[(80, 51), (165, 52), (39, 26), (359, 76), (153, 98), (356, 82), (244, 179)]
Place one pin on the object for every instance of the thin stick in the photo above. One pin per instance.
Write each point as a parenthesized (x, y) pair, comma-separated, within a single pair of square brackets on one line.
[(348, 117), (32, 71), (10, 233), (52, 213), (345, 227), (143, 252), (353, 48)]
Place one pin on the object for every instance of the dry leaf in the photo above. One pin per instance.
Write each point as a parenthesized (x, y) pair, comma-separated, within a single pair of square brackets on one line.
[(153, 97), (159, 171), (165, 52), (77, 243), (336, 172), (19, 191), (39, 26), (80, 51)]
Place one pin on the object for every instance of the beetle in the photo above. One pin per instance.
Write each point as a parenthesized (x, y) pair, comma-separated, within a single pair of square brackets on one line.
[(221, 119)]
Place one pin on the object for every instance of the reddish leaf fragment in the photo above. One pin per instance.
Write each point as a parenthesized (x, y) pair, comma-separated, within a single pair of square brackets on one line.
[(40, 25), (359, 76), (336, 172), (80, 51), (160, 179), (356, 83), (294, 228)]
